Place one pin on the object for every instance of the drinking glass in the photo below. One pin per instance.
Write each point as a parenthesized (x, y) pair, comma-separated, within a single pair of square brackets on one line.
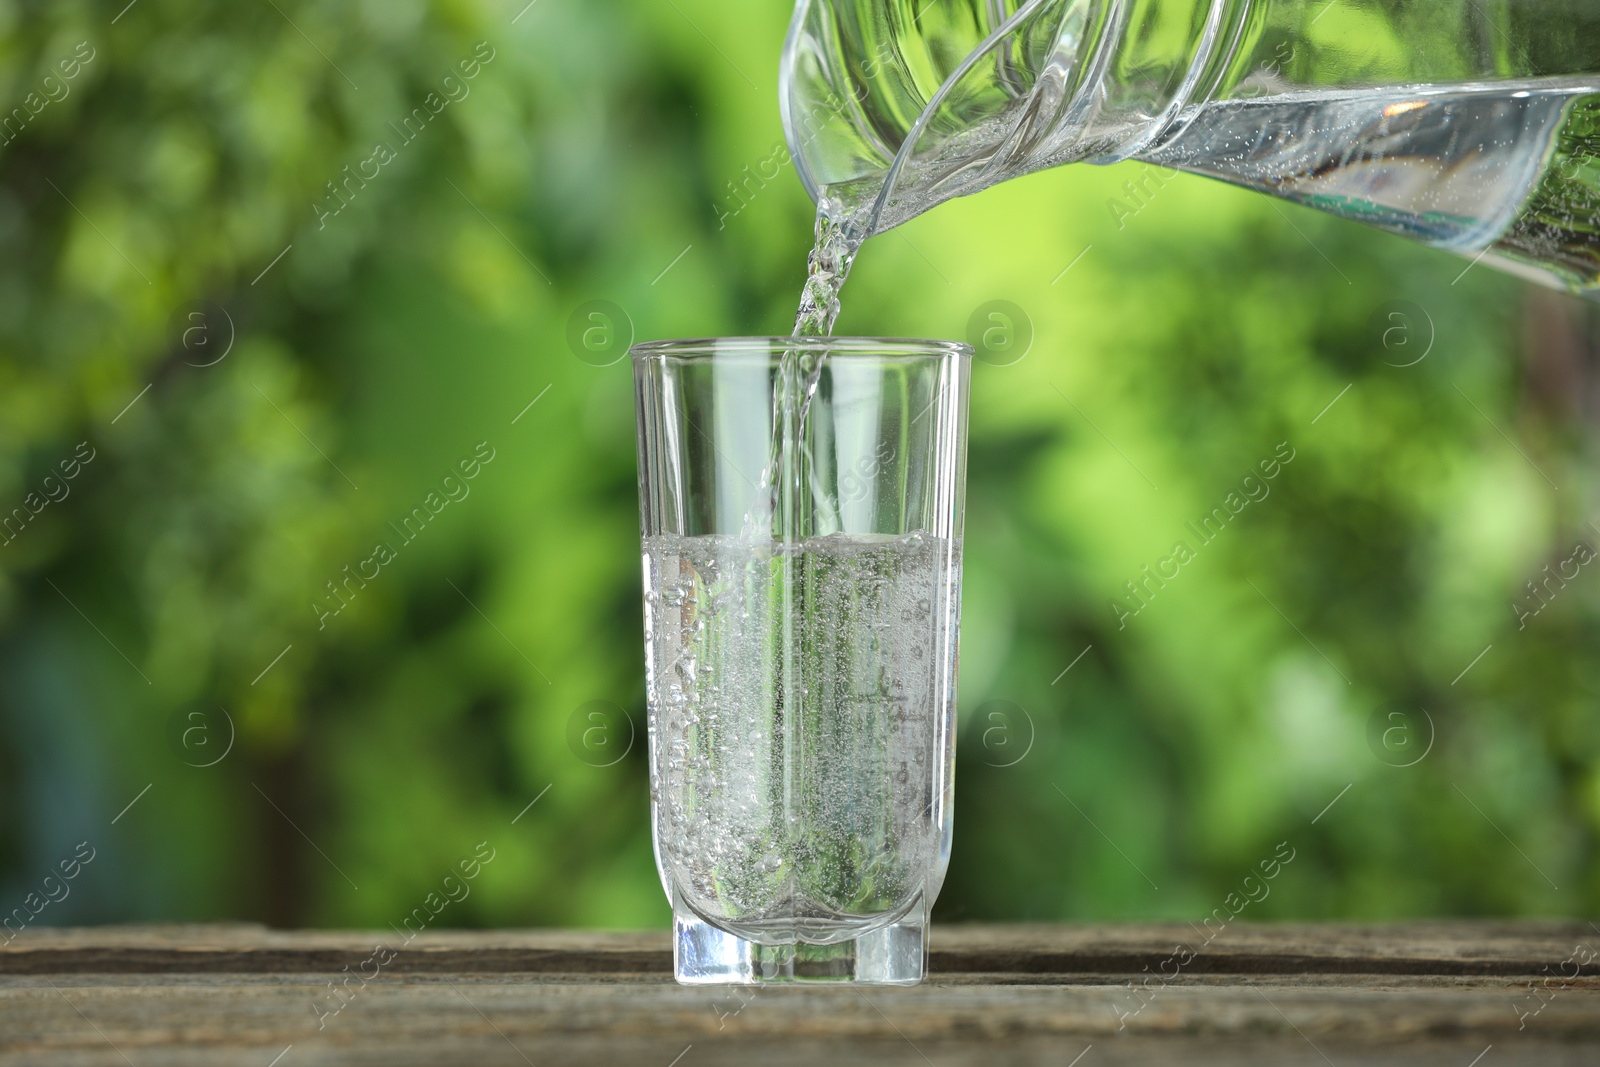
[(802, 512)]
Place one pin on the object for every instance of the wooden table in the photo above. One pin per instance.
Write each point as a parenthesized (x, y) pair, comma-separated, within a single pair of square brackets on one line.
[(1457, 994)]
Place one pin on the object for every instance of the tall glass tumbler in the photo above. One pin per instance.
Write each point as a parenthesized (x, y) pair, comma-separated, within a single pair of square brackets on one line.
[(802, 509)]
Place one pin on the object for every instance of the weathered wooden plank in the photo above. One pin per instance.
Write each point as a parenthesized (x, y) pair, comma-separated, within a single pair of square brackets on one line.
[(1418, 994), (1419, 948), (442, 1019)]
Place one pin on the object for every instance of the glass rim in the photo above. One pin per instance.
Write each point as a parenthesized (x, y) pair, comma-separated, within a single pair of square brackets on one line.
[(692, 348)]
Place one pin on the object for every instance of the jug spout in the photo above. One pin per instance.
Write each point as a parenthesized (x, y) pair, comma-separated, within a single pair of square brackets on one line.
[(1469, 125)]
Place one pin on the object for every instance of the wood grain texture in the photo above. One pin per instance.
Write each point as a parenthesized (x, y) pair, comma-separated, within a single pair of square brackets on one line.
[(1415, 994)]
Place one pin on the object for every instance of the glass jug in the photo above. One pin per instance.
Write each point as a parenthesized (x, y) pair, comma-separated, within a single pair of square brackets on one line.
[(1472, 125)]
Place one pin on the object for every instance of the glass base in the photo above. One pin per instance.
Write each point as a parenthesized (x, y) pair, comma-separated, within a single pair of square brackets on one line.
[(703, 954)]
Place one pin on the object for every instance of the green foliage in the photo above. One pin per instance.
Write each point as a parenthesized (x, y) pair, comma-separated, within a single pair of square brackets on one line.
[(188, 567)]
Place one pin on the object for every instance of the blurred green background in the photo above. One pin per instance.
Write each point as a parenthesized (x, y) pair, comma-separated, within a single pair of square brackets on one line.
[(266, 383)]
